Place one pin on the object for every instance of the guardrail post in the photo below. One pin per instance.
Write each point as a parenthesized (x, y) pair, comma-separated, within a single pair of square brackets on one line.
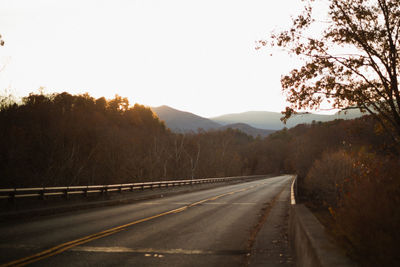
[(42, 196), (131, 188), (104, 190), (12, 196), (86, 191), (66, 193), (120, 189)]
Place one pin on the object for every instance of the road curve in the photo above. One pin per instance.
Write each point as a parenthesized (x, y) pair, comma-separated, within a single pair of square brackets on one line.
[(233, 225)]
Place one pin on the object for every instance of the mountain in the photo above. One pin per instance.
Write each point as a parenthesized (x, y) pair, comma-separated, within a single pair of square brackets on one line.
[(181, 121), (247, 129), (271, 120), (252, 122), (258, 119)]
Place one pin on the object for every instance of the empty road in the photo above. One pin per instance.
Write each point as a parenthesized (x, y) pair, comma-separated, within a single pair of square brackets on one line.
[(234, 225)]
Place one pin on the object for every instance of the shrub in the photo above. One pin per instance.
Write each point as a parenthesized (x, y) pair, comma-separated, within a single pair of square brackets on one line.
[(323, 183), (368, 216)]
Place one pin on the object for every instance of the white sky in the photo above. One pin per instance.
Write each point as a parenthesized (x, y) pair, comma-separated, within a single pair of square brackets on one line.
[(196, 56)]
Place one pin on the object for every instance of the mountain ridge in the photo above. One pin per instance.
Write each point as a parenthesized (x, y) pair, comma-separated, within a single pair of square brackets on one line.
[(183, 121), (251, 122), (248, 129), (272, 120)]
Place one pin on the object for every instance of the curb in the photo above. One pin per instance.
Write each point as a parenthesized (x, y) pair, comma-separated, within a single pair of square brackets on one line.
[(310, 242)]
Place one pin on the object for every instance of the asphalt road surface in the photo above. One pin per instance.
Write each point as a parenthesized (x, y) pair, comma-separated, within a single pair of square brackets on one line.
[(234, 225)]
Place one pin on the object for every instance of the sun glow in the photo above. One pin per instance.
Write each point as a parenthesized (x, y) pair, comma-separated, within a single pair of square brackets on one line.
[(195, 56)]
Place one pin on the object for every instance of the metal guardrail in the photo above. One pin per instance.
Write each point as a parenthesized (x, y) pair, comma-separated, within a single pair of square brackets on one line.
[(66, 191)]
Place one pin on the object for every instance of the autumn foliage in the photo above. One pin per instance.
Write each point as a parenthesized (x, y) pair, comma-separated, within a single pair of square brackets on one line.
[(352, 61), (367, 216), (349, 176)]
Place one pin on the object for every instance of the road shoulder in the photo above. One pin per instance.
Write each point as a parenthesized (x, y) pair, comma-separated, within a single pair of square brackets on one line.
[(271, 246)]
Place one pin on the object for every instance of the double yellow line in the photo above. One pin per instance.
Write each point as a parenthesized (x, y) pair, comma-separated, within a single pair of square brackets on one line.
[(65, 246)]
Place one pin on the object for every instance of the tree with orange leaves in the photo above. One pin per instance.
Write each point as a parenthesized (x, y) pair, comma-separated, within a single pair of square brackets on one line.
[(352, 63)]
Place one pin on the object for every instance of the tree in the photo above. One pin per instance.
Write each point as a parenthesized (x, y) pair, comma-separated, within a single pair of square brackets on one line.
[(352, 63), (1, 40)]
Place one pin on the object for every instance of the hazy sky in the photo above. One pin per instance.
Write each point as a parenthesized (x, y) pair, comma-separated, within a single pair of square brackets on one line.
[(197, 56)]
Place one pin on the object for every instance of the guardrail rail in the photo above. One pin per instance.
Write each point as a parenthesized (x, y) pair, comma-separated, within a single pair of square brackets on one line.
[(66, 191)]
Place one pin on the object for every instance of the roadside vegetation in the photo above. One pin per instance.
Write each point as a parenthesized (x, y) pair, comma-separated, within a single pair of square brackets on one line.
[(348, 175)]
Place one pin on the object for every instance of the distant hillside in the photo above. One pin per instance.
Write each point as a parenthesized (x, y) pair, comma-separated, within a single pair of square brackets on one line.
[(252, 122), (271, 120), (180, 121), (248, 129), (257, 119)]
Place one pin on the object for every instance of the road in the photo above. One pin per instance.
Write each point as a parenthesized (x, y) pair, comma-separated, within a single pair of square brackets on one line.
[(234, 225)]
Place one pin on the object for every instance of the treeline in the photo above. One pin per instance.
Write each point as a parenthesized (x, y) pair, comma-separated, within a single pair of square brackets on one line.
[(348, 173), (63, 139)]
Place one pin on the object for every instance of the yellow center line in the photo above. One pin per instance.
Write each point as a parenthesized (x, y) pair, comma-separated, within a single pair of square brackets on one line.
[(65, 246), (30, 260)]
